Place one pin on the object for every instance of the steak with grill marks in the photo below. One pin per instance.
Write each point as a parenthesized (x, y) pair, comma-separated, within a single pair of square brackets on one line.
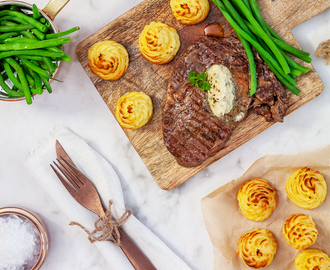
[(191, 132)]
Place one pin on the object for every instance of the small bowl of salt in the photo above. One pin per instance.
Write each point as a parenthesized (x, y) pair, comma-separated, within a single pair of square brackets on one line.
[(24, 240)]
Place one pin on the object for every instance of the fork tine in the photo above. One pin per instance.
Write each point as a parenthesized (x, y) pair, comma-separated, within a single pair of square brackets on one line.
[(78, 174), (70, 176), (64, 182)]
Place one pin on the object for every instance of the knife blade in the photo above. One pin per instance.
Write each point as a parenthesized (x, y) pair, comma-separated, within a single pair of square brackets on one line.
[(60, 152)]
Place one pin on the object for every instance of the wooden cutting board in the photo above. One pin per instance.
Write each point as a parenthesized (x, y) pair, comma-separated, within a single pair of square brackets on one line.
[(152, 79)]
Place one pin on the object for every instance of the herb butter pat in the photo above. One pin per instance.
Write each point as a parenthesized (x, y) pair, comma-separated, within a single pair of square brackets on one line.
[(221, 96)]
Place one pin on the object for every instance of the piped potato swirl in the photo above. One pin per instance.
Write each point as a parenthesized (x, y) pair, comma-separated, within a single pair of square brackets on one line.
[(190, 11), (108, 60), (257, 248), (159, 43), (306, 188), (134, 110), (257, 199), (300, 231), (311, 259)]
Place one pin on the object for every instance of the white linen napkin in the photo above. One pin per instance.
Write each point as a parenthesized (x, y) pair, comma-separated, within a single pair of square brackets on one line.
[(105, 179)]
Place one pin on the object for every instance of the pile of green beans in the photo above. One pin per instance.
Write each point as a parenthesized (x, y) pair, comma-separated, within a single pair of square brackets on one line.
[(245, 18), (29, 52)]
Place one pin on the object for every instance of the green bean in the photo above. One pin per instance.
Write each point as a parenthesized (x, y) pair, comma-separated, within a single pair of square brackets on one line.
[(15, 39), (273, 33), (252, 66), (294, 64), (61, 34), (32, 52), (39, 34), (36, 13), (290, 61), (35, 68), (42, 20), (21, 27), (266, 56), (12, 18), (33, 45), (257, 14), (246, 2), (23, 16), (295, 72), (264, 36), (11, 76), (276, 38), (287, 80), (21, 75), (246, 45), (44, 80), (46, 84), (247, 27), (65, 57), (264, 45), (283, 80), (28, 35), (294, 51), (269, 30), (9, 35), (28, 75), (238, 10), (49, 64), (30, 79), (32, 57), (44, 66), (232, 11), (47, 27), (245, 35), (7, 89), (35, 91), (38, 82), (25, 33)]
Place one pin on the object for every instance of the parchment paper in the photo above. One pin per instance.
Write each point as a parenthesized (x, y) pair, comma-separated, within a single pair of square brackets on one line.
[(226, 223)]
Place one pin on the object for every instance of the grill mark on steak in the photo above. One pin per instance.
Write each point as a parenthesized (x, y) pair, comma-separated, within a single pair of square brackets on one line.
[(191, 132)]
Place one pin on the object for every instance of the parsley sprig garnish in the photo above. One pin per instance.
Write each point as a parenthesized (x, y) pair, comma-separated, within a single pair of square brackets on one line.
[(199, 80)]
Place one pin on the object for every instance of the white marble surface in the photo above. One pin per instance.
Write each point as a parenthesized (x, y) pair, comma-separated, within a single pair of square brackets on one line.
[(175, 216)]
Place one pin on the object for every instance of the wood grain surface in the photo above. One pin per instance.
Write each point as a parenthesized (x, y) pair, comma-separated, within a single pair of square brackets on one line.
[(152, 79)]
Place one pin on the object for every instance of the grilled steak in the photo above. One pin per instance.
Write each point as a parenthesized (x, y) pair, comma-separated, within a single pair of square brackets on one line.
[(191, 132)]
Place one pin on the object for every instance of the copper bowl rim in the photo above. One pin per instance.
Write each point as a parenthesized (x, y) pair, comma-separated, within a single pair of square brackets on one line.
[(38, 224), (8, 2)]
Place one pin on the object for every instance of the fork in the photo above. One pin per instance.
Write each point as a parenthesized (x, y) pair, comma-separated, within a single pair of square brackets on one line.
[(85, 193)]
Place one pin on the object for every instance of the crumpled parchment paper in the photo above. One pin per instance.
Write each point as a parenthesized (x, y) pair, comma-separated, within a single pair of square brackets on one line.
[(226, 223)]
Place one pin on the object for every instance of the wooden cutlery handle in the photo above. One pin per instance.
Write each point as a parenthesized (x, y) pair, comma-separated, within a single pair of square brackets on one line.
[(134, 254)]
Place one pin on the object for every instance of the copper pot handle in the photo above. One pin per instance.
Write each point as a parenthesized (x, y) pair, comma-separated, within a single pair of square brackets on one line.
[(54, 7)]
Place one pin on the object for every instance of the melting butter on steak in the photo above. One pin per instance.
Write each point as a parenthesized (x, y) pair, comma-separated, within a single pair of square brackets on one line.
[(191, 131), (222, 93)]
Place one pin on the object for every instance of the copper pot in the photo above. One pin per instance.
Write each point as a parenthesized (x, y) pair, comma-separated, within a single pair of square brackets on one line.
[(49, 12), (38, 224)]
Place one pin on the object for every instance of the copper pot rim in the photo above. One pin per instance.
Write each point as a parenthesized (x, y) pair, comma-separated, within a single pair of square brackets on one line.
[(13, 2), (38, 224)]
